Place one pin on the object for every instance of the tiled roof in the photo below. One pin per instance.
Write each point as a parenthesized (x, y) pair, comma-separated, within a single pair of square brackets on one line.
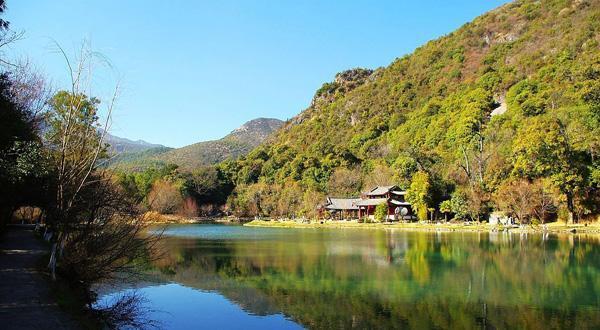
[(398, 192), (342, 203), (380, 190), (371, 202)]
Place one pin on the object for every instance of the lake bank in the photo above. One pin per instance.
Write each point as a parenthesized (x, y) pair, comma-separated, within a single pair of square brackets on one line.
[(156, 218), (556, 227)]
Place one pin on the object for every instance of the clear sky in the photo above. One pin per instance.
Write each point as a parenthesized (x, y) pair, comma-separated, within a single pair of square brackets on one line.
[(195, 70)]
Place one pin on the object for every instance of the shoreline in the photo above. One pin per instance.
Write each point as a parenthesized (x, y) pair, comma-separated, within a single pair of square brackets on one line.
[(155, 218), (552, 228)]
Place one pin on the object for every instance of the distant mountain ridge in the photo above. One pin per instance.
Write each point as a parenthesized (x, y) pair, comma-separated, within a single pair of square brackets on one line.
[(121, 145), (237, 143)]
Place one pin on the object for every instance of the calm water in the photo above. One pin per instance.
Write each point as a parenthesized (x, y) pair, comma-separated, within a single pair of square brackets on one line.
[(224, 277)]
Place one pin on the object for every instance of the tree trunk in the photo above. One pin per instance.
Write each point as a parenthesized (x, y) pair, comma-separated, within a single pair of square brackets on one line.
[(570, 208), (56, 252), (52, 262)]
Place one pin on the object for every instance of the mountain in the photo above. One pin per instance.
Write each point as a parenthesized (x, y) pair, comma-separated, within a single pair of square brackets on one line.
[(120, 145), (462, 111), (237, 143)]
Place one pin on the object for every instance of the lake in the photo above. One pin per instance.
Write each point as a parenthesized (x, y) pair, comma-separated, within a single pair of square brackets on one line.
[(235, 277)]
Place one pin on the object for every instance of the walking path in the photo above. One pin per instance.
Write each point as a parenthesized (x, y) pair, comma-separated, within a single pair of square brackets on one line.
[(25, 299)]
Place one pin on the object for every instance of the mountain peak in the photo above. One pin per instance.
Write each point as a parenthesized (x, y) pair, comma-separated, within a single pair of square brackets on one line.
[(121, 145), (259, 128)]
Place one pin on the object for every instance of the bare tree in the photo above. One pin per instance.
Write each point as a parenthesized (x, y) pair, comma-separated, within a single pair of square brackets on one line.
[(545, 202), (99, 231), (524, 199), (30, 91), (345, 182), (7, 37), (165, 198), (77, 145)]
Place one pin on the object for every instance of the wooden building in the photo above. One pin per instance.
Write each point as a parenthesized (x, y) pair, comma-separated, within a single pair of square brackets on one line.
[(393, 196), (342, 208), (364, 207)]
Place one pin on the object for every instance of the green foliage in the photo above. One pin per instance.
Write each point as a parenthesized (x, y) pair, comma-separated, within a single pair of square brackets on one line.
[(526, 97), (24, 163), (139, 184), (327, 88), (419, 194), (381, 212), (459, 205), (446, 206), (137, 161), (85, 116)]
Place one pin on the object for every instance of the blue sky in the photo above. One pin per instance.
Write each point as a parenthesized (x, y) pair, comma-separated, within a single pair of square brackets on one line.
[(195, 70)]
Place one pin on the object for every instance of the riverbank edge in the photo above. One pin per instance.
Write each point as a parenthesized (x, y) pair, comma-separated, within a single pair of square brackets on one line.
[(558, 228), (68, 299), (155, 218)]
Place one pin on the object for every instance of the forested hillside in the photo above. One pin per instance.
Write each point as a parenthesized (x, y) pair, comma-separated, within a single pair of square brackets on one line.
[(239, 142), (505, 107)]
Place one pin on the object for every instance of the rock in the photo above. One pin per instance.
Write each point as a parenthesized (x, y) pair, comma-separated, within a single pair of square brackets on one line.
[(501, 108)]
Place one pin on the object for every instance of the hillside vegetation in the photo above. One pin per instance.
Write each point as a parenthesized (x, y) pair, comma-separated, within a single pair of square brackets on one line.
[(501, 114), (237, 143)]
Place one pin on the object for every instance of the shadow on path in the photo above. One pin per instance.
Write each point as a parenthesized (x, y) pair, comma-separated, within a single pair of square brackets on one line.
[(25, 299)]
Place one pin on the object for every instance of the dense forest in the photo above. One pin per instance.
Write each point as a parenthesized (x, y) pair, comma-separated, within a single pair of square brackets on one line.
[(502, 114)]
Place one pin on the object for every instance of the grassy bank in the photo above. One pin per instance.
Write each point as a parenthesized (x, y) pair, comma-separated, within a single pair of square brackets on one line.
[(556, 227)]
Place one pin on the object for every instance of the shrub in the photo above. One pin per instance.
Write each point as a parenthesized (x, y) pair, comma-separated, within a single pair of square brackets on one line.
[(381, 212)]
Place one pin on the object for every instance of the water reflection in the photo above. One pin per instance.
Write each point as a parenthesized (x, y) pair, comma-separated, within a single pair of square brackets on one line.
[(388, 278), (178, 307)]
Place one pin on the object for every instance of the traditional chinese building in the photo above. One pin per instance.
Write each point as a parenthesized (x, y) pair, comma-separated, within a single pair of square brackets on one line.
[(364, 207), (342, 208)]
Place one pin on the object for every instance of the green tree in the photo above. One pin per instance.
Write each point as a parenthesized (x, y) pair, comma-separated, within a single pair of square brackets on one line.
[(543, 148), (446, 207), (526, 97), (418, 194), (381, 212), (460, 205)]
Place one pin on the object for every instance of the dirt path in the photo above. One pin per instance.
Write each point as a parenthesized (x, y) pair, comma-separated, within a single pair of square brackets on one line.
[(25, 300)]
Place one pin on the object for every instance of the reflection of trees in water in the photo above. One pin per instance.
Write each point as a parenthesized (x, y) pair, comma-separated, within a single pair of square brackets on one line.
[(395, 278)]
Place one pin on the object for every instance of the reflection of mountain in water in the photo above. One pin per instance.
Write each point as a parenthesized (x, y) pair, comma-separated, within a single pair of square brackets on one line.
[(383, 279)]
